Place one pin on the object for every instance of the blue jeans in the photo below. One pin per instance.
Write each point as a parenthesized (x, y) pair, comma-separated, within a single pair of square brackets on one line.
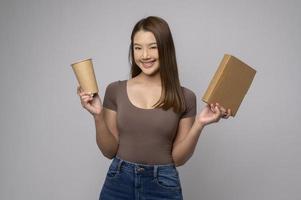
[(133, 181)]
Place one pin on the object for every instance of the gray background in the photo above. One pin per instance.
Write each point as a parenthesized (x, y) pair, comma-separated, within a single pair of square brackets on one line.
[(47, 142)]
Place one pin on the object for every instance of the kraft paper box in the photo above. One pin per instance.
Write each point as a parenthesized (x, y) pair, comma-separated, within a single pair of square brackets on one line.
[(230, 83)]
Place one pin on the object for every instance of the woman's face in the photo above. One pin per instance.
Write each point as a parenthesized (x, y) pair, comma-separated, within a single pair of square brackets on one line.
[(146, 53)]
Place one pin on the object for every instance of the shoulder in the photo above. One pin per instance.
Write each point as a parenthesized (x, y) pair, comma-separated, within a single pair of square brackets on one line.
[(112, 88), (188, 93), (190, 103), (114, 85)]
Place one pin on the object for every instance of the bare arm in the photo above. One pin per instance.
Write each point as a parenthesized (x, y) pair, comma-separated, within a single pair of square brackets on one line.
[(186, 141), (106, 141), (105, 123), (190, 129)]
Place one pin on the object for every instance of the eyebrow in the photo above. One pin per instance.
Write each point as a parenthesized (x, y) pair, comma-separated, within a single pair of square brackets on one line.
[(148, 44)]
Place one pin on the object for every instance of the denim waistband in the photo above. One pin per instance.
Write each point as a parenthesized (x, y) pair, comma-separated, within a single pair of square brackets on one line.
[(139, 167)]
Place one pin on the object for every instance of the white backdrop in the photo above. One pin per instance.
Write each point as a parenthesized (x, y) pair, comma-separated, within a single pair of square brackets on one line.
[(47, 142)]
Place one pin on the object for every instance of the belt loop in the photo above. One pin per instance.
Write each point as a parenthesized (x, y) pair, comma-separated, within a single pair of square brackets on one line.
[(119, 165), (155, 170)]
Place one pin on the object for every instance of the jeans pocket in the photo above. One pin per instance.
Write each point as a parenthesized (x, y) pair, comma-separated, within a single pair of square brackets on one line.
[(168, 179)]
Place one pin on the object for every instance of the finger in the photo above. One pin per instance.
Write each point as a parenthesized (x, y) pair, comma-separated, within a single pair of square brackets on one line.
[(228, 114), (81, 92), (217, 114), (220, 107), (217, 105), (223, 110), (217, 110), (86, 103), (86, 97), (89, 96), (86, 94)]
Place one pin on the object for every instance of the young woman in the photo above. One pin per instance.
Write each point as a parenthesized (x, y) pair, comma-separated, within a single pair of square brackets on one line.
[(148, 124)]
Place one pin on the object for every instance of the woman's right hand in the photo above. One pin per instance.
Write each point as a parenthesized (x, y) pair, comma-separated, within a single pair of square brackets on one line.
[(91, 103)]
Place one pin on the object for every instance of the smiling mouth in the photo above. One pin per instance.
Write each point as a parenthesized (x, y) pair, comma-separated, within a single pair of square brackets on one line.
[(148, 63)]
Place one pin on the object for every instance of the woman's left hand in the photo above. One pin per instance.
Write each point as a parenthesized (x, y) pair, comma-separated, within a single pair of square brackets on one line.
[(212, 113)]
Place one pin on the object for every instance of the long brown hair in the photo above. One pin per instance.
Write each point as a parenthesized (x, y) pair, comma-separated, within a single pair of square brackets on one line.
[(172, 94)]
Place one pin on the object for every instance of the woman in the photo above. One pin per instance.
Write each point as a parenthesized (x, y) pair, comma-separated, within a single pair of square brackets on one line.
[(148, 124)]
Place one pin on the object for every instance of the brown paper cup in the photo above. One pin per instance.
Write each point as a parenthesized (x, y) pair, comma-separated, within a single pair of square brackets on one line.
[(85, 75)]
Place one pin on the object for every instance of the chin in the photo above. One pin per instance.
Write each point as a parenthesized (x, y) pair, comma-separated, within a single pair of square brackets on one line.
[(150, 71)]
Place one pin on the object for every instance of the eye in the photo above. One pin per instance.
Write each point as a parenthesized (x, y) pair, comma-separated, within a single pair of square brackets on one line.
[(154, 47), (137, 48)]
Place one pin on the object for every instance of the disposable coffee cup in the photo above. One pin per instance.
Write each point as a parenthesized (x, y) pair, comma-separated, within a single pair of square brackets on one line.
[(85, 75)]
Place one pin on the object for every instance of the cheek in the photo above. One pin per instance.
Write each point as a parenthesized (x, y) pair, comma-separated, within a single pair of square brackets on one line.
[(136, 56), (156, 54), (136, 60)]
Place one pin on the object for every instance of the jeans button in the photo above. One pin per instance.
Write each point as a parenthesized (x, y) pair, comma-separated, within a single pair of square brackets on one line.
[(140, 169)]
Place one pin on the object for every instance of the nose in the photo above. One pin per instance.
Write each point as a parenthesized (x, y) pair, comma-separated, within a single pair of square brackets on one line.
[(145, 54)]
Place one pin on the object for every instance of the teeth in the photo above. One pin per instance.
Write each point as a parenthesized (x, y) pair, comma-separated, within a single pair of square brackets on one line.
[(148, 64)]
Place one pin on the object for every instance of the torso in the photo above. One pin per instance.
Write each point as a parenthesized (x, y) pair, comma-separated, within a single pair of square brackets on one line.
[(145, 135)]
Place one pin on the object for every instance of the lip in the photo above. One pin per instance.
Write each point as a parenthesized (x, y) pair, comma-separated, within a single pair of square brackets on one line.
[(148, 64)]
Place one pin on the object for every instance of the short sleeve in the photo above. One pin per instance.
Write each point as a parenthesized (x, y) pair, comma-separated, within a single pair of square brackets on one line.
[(191, 105), (109, 100)]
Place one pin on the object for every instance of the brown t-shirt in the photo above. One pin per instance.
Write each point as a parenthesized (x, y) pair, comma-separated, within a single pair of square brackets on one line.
[(145, 135)]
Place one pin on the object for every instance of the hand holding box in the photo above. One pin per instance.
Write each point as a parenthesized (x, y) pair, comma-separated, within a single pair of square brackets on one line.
[(230, 83)]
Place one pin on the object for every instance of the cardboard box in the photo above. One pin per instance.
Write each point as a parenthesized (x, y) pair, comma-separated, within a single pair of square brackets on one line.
[(230, 83)]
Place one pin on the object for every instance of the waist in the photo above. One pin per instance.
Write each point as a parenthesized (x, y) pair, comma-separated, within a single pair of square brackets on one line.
[(145, 154), (134, 167)]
